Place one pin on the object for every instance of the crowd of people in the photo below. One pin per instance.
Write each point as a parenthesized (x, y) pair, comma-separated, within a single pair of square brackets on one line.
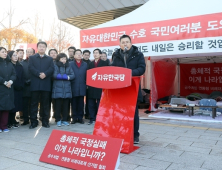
[(54, 85)]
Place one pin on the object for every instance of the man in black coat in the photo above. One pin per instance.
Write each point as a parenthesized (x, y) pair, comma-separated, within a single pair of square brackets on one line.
[(94, 94), (26, 90), (41, 68), (86, 56), (128, 56)]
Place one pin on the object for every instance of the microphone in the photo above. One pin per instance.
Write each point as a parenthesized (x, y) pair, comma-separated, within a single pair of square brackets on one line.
[(125, 49)]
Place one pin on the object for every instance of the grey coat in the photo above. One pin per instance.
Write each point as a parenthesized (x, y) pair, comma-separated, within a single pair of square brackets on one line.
[(62, 88)]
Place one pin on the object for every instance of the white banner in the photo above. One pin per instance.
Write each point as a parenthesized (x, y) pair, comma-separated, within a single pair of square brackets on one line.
[(174, 47)]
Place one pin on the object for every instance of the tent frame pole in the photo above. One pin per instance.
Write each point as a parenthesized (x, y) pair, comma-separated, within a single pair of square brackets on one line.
[(178, 76)]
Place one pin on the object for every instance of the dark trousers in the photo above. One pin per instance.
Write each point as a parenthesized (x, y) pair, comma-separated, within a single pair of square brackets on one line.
[(26, 108), (136, 122), (40, 108), (44, 101), (93, 108), (87, 103), (61, 108), (77, 108), (11, 118), (70, 110), (4, 120)]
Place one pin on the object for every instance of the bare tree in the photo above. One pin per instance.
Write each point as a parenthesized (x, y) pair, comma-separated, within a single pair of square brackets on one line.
[(37, 26), (13, 31), (60, 37), (9, 15)]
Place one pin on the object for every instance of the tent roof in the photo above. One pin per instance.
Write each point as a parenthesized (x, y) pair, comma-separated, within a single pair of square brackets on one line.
[(158, 10)]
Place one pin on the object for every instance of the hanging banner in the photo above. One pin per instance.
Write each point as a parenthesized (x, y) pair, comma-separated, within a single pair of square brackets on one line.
[(198, 34), (200, 78), (164, 48)]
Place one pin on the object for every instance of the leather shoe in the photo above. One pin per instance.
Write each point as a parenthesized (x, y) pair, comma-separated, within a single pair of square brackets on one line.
[(25, 123), (87, 117), (81, 121), (46, 125), (73, 122), (32, 126)]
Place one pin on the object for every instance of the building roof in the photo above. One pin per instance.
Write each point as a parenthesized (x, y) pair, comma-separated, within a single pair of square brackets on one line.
[(89, 13)]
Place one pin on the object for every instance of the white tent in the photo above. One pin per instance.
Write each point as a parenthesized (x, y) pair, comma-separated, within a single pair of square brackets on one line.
[(177, 31)]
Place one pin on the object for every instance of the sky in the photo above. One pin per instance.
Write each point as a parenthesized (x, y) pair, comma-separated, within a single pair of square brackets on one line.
[(28, 9)]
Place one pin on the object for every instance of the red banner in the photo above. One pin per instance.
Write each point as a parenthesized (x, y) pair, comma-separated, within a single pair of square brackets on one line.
[(109, 77), (202, 26), (81, 151), (200, 78)]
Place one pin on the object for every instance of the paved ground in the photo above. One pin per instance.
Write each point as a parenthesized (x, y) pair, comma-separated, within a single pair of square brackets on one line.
[(164, 145)]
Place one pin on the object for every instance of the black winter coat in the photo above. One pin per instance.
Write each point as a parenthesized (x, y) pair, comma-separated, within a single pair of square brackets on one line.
[(18, 88), (87, 61), (79, 83), (135, 62), (39, 65), (27, 75), (62, 88), (95, 93), (7, 72)]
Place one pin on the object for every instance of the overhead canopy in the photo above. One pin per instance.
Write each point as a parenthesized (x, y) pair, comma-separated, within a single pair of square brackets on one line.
[(170, 28), (89, 13)]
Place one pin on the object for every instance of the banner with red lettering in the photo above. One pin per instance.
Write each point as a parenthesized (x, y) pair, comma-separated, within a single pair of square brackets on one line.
[(197, 34), (200, 78)]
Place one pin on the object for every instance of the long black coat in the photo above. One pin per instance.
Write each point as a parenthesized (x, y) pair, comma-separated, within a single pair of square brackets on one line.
[(27, 75), (7, 72), (18, 87), (39, 65), (95, 93), (79, 83), (135, 62)]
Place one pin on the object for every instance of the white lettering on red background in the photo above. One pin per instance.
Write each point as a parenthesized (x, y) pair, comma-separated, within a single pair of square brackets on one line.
[(108, 77)]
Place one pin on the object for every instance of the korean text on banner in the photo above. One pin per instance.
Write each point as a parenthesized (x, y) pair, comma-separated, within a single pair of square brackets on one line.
[(200, 78), (81, 151), (202, 26)]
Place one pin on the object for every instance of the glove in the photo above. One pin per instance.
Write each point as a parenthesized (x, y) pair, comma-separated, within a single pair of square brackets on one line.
[(59, 77), (65, 77)]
